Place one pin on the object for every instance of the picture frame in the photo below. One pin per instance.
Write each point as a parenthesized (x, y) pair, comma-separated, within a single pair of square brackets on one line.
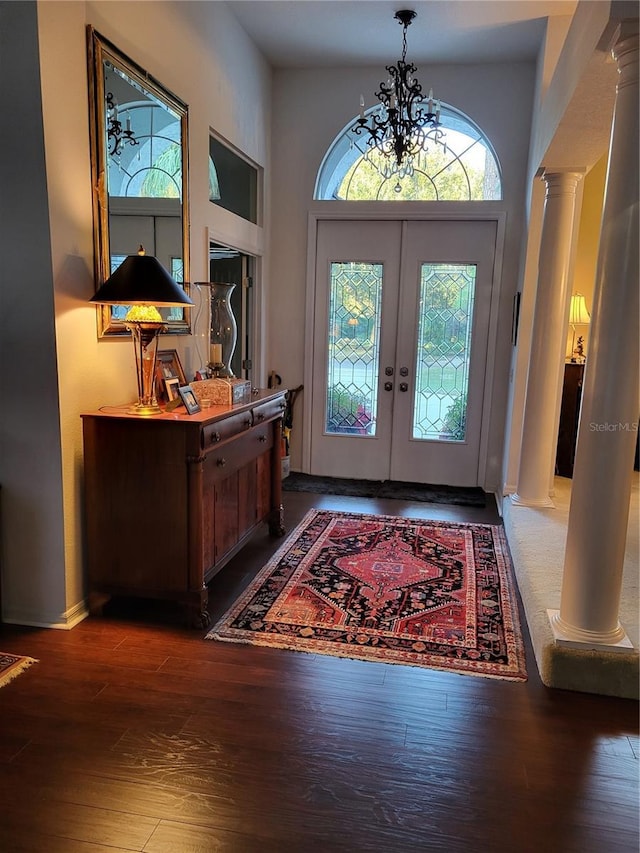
[(189, 399), (171, 387), (168, 366)]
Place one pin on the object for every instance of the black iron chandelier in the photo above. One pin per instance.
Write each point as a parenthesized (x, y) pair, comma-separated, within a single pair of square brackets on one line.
[(117, 136), (402, 126)]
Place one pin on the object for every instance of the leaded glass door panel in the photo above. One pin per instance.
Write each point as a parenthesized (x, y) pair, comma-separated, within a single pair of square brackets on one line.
[(356, 305), (444, 313)]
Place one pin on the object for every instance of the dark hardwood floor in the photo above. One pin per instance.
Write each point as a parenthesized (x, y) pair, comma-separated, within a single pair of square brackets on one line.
[(133, 733)]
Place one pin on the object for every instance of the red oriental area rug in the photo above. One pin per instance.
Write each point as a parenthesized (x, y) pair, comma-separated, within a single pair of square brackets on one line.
[(12, 665), (383, 588)]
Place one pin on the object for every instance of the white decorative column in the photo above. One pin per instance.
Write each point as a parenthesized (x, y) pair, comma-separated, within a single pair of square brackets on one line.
[(539, 435), (603, 470)]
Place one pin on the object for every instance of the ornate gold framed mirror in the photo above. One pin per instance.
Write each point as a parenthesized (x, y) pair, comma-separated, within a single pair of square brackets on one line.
[(139, 166)]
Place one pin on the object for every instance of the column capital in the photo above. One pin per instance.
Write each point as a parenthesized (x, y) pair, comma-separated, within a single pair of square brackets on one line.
[(562, 181), (625, 52), (549, 173)]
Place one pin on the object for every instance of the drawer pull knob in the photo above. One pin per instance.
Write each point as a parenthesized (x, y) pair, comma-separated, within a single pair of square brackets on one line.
[(262, 438), (221, 462), (215, 437)]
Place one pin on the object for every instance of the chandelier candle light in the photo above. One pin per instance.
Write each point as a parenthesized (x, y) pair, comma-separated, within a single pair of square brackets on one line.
[(403, 125)]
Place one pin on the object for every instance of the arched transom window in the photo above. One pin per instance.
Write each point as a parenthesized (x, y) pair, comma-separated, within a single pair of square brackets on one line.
[(460, 167)]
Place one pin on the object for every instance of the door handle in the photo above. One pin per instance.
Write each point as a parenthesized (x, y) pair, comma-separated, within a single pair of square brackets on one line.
[(404, 371), (388, 371), (388, 386), (404, 386)]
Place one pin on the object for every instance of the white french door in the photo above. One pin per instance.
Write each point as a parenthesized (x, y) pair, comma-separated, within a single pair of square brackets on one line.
[(401, 324)]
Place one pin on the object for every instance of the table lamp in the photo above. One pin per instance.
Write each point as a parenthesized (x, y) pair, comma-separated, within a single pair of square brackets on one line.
[(578, 316), (143, 283)]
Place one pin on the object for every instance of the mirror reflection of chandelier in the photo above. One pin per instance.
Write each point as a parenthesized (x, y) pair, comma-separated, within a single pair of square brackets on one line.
[(402, 126), (116, 134)]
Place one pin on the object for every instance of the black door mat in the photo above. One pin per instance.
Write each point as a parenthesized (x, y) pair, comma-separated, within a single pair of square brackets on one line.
[(459, 496)]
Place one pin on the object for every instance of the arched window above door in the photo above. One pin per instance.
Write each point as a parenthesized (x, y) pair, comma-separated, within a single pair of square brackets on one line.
[(461, 167)]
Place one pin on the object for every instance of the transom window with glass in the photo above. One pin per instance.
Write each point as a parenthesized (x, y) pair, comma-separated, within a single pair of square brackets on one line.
[(233, 181), (461, 166)]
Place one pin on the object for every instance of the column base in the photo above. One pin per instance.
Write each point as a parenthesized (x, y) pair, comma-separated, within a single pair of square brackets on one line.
[(576, 638), (543, 503)]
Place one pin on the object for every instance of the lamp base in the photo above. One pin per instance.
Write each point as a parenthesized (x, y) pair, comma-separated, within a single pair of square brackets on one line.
[(145, 410)]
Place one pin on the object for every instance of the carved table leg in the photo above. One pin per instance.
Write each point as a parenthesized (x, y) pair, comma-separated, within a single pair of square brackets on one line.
[(97, 601), (276, 522), (197, 613)]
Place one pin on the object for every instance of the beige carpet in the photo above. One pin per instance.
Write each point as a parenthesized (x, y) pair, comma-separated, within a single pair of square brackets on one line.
[(537, 539)]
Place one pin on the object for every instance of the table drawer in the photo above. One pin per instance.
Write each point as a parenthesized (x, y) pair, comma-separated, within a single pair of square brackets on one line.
[(221, 430), (235, 454), (269, 410)]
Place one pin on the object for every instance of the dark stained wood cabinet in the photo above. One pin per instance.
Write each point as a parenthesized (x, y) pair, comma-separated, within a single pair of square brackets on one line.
[(569, 415), (170, 499)]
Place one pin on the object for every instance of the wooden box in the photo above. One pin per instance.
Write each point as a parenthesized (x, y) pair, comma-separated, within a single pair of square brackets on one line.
[(222, 392)]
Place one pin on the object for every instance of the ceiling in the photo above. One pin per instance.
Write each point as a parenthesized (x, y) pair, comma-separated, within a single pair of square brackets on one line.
[(316, 33)]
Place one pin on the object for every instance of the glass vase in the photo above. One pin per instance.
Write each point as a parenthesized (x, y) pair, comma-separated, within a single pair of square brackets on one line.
[(223, 330)]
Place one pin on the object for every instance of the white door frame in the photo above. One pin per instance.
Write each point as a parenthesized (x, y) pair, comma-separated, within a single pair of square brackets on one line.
[(454, 212)]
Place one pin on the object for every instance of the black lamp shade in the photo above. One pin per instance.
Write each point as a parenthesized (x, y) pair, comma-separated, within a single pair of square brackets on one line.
[(141, 280)]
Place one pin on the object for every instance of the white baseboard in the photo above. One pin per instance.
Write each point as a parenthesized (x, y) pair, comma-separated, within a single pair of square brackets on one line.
[(62, 621)]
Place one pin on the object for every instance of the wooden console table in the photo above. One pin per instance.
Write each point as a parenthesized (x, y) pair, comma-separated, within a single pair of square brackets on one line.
[(170, 499), (569, 414)]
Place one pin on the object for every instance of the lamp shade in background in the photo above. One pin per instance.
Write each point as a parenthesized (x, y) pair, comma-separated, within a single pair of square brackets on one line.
[(578, 316), (144, 284)]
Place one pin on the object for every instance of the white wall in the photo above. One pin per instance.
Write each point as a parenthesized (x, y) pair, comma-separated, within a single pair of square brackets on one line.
[(32, 557), (310, 108), (198, 51)]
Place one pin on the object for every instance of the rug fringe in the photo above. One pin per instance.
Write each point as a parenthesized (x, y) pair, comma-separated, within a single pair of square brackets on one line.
[(290, 647), (16, 670)]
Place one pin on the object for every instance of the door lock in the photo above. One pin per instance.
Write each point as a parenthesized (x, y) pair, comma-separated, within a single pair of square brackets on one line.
[(403, 386), (404, 371), (388, 386), (388, 371)]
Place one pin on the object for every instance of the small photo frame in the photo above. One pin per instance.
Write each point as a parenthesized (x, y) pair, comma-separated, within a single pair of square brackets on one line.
[(189, 399), (168, 367), (171, 387)]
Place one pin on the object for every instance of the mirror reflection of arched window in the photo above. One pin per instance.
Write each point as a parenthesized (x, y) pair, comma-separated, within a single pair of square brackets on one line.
[(214, 183), (460, 167), (144, 178), (152, 168)]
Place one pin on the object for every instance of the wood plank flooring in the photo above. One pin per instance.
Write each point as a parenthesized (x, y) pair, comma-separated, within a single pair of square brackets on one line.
[(134, 734)]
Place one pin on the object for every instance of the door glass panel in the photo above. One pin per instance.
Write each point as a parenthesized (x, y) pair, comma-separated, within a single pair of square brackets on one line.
[(355, 299), (443, 352)]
